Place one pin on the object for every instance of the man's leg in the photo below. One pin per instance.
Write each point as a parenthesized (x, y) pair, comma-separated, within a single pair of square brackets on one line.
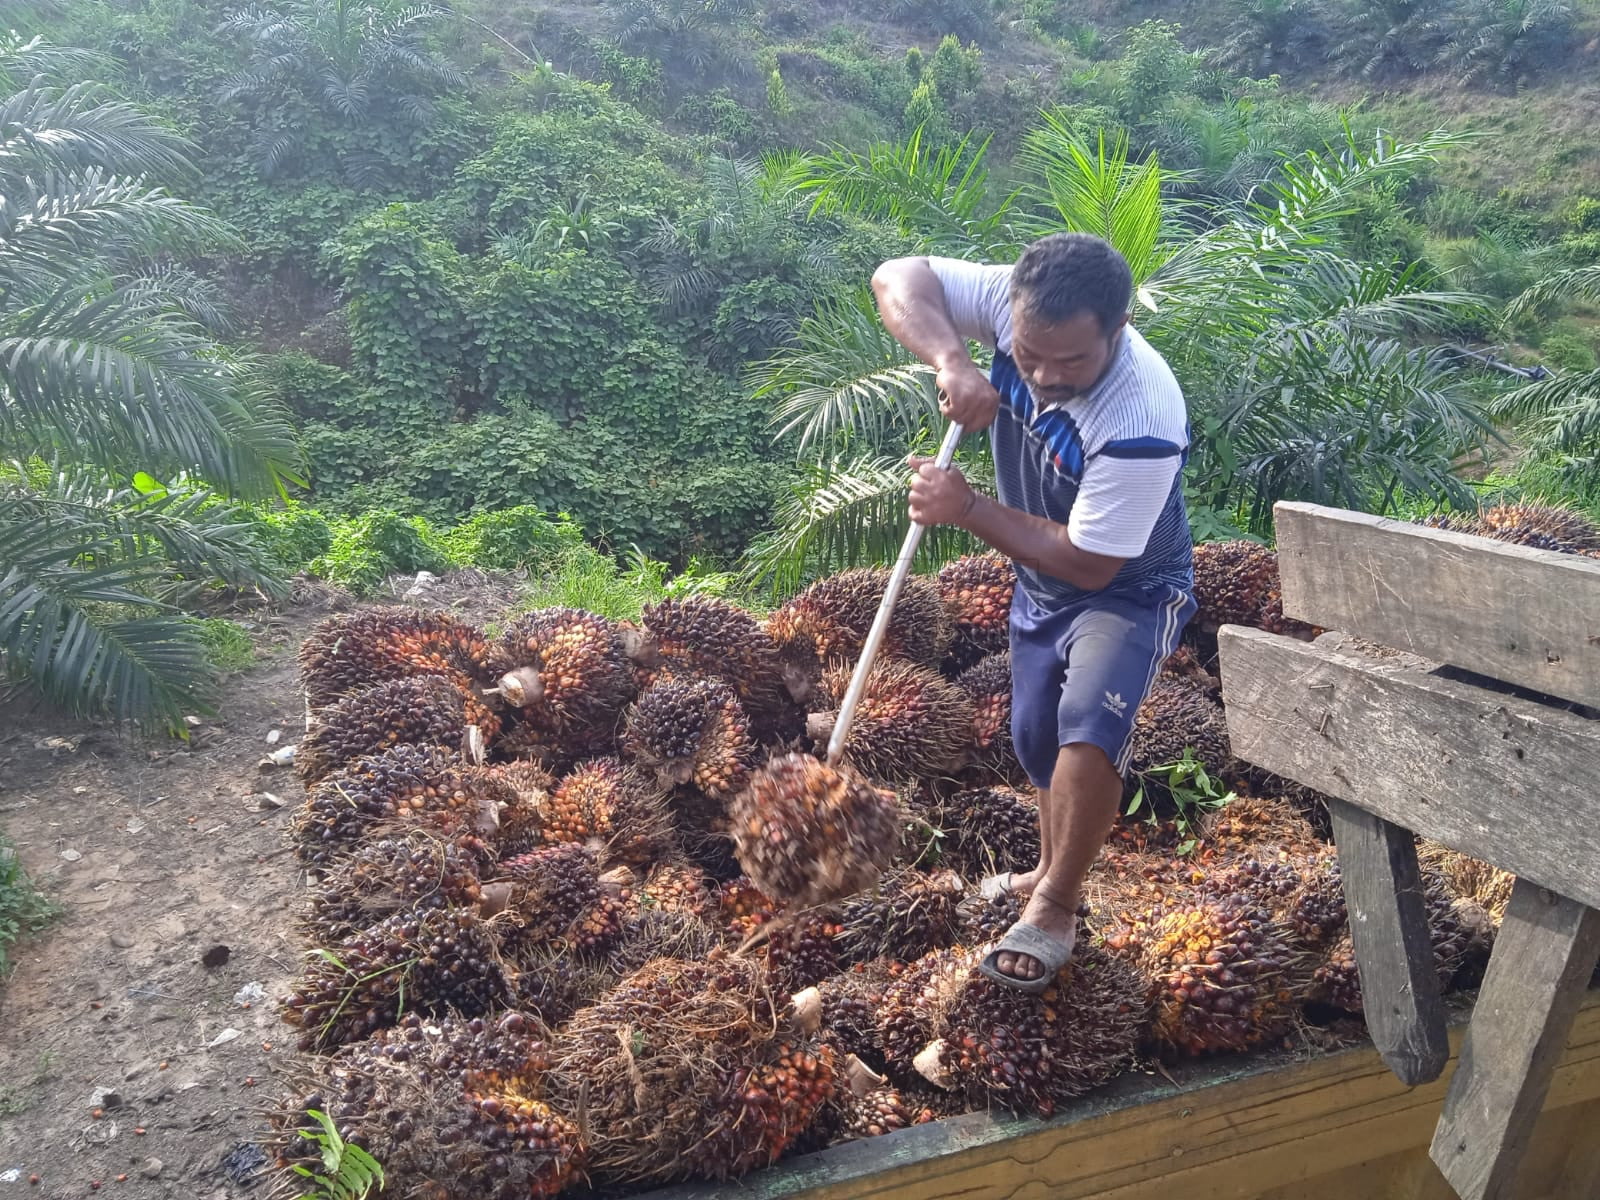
[(1075, 816)]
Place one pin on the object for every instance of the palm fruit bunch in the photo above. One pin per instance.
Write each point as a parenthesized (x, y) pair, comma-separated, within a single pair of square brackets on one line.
[(569, 674), (1468, 877), (1236, 583), (651, 933), (675, 885), (1177, 716), (450, 1107), (438, 961), (1543, 527), (1185, 663), (742, 907), (828, 623), (986, 918), (550, 983), (521, 826), (1248, 825), (1302, 892), (351, 652), (688, 1069), (404, 785), (910, 721), (850, 1003), (914, 1004), (976, 591), (1030, 1053), (422, 710), (613, 809), (807, 833), (908, 915), (692, 731), (409, 871), (802, 950), (882, 1110), (988, 685), (706, 636), (544, 895), (1220, 974), (991, 830)]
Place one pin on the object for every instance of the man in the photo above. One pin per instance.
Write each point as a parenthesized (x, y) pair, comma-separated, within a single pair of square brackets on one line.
[(1089, 433)]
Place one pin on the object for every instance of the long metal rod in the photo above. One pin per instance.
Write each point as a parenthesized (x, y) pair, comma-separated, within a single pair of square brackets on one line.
[(880, 623)]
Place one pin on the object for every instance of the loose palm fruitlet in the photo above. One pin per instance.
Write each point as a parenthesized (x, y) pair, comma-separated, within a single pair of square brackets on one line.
[(692, 731), (807, 833), (424, 710), (998, 1045), (351, 652), (910, 721), (827, 624), (706, 636), (688, 1069), (1236, 583), (977, 591), (435, 961), (905, 917)]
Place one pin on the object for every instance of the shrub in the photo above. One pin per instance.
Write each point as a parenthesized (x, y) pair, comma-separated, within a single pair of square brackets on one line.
[(228, 648), (510, 539), (367, 550), (293, 536)]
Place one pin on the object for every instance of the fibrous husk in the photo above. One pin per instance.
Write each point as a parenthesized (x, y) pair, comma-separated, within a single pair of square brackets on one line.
[(976, 591), (688, 1069), (689, 731), (424, 710), (910, 721), (808, 834)]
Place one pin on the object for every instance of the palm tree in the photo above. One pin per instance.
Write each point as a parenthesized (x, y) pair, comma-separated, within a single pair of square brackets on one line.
[(1502, 41), (1277, 336), (688, 35), (107, 384), (351, 61)]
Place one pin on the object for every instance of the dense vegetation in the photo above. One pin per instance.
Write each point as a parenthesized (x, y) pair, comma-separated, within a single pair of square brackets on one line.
[(580, 287)]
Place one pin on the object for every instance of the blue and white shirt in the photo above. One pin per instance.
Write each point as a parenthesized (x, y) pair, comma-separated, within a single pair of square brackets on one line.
[(1107, 464)]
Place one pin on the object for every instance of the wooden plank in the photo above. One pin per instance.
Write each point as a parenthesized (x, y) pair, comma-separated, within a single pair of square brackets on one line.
[(1389, 928), (1229, 1130), (1502, 779), (1543, 957), (1529, 617)]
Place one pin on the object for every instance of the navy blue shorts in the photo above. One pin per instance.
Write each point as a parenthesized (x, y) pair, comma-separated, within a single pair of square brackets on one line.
[(1079, 674)]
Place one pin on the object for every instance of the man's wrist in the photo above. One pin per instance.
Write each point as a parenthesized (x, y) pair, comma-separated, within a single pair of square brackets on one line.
[(967, 509), (953, 359)]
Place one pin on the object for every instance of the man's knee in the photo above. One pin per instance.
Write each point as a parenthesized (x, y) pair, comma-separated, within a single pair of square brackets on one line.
[(1083, 768)]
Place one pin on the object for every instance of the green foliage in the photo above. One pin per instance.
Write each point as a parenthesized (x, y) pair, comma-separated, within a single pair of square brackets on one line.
[(350, 1173), (369, 549), (228, 648), (24, 909), (1187, 792), (292, 536), (1154, 69), (510, 539)]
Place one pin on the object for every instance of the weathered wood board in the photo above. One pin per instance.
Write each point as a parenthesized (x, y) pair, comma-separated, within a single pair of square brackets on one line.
[(1497, 777), (1525, 616), (1543, 958), (1327, 1128), (1389, 929)]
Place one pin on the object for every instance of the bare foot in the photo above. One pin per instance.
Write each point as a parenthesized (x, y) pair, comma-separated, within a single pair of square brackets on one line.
[(1048, 916)]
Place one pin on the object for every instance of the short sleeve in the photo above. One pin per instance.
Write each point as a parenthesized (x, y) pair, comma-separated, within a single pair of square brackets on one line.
[(1121, 497), (978, 296)]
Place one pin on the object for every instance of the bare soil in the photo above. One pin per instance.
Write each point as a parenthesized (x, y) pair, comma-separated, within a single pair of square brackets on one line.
[(160, 851)]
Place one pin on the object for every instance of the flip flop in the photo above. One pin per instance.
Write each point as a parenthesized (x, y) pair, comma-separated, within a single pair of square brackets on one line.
[(1022, 938), (996, 886)]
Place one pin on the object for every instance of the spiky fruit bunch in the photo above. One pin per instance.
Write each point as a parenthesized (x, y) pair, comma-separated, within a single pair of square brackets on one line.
[(651, 933), (706, 636), (988, 686), (987, 919), (550, 983), (807, 833), (742, 907), (506, 1145), (522, 814), (915, 1003), (802, 951), (1256, 827), (850, 1004), (544, 894), (612, 808), (910, 721), (351, 652), (828, 622), (568, 668), (976, 591), (1236, 583), (688, 1069), (403, 785), (998, 1045), (440, 961), (991, 830), (908, 915), (675, 885), (1540, 526), (1336, 980), (1220, 974), (882, 1110), (692, 731), (410, 871), (1175, 716), (1467, 877), (1302, 891), (1185, 663), (424, 710)]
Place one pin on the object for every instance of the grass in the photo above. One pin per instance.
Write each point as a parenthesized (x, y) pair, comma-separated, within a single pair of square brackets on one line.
[(228, 647), (24, 909), (15, 1098)]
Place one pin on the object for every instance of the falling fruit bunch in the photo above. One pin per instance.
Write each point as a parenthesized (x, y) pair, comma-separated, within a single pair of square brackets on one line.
[(587, 908)]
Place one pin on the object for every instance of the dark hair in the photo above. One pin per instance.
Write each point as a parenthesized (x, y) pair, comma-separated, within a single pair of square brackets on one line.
[(1064, 274)]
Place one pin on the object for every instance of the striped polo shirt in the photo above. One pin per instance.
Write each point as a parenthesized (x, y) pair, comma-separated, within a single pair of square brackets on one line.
[(1107, 464)]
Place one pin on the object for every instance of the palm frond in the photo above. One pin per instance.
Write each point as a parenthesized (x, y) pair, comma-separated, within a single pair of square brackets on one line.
[(1559, 415), (44, 129), (23, 59), (1563, 287)]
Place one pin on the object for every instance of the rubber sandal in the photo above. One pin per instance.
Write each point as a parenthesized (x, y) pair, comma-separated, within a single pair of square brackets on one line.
[(996, 886), (1022, 938)]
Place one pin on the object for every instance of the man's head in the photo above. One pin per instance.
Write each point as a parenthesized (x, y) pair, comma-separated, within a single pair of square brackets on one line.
[(1069, 302)]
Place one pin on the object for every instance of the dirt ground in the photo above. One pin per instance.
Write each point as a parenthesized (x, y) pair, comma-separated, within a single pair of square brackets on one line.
[(159, 853)]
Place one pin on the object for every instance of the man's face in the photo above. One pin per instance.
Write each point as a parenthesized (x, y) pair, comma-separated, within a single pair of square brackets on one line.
[(1061, 360)]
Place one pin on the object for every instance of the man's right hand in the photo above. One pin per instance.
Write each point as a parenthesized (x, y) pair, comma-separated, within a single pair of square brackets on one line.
[(966, 396)]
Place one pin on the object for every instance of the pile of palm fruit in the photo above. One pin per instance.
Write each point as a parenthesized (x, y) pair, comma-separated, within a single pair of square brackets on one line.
[(587, 911)]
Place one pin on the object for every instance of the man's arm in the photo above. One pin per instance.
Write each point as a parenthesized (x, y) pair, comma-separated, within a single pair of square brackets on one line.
[(912, 301)]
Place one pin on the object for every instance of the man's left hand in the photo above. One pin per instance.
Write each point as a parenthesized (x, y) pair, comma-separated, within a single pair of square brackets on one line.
[(939, 497)]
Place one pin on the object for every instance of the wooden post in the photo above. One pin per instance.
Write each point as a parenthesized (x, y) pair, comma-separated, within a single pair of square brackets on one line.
[(1389, 928), (1546, 951)]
